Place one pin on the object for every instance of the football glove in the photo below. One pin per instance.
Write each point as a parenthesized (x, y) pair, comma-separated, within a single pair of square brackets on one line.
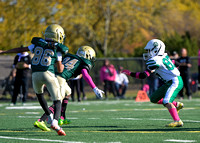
[(127, 72), (99, 93)]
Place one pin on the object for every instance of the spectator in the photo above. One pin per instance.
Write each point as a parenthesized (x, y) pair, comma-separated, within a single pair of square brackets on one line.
[(75, 82), (82, 88), (8, 83), (199, 68), (107, 76), (121, 83), (22, 63), (184, 65), (175, 55)]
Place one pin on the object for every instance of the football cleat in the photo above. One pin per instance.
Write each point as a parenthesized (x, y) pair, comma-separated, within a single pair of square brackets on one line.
[(59, 130), (65, 122), (175, 124), (180, 106), (60, 122), (41, 125)]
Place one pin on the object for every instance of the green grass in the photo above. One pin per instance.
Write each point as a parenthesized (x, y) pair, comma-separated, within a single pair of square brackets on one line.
[(103, 121)]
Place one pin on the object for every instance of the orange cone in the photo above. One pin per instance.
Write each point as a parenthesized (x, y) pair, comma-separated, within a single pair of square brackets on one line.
[(142, 96)]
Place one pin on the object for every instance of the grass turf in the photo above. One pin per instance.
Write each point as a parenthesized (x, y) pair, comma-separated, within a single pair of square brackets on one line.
[(103, 121)]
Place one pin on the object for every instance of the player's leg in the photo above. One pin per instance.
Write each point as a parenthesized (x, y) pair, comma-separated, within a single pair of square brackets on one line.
[(65, 90), (170, 95), (53, 87), (178, 105)]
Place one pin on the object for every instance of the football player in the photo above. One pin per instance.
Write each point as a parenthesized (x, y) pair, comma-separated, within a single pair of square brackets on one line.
[(74, 65), (47, 52), (158, 61)]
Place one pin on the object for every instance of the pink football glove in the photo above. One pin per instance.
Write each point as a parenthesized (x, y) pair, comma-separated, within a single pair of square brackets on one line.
[(127, 72)]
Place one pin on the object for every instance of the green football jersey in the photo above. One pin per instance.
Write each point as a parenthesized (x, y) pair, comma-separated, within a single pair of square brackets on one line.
[(73, 65), (45, 54)]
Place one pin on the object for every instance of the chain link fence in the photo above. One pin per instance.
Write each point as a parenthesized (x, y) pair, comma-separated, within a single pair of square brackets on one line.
[(134, 64)]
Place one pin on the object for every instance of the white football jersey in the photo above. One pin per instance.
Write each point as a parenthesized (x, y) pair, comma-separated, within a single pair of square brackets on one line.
[(163, 67)]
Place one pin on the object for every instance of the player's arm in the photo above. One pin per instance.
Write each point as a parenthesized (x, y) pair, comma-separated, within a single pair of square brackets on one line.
[(60, 66), (138, 75), (99, 93), (15, 50)]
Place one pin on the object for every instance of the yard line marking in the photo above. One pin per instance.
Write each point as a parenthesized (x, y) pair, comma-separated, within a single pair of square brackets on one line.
[(139, 132), (32, 112), (24, 107), (183, 141), (93, 118), (28, 116), (191, 121), (44, 140), (128, 118)]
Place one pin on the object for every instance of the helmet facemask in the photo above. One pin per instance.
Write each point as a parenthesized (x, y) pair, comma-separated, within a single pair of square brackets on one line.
[(87, 53), (154, 47)]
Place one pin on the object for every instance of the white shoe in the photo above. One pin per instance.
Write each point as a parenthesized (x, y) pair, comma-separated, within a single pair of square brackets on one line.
[(50, 119)]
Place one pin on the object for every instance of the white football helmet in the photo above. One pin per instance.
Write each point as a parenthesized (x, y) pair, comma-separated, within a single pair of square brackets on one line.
[(154, 48)]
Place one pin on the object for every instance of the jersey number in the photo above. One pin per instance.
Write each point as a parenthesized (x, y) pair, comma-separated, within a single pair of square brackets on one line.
[(69, 64), (168, 63), (42, 56)]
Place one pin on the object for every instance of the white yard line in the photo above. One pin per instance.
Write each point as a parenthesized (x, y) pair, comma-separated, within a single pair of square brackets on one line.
[(24, 107), (128, 118), (44, 140), (182, 141)]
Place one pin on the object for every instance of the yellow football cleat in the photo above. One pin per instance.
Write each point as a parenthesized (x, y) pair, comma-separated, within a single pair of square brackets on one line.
[(175, 124), (180, 106), (41, 125)]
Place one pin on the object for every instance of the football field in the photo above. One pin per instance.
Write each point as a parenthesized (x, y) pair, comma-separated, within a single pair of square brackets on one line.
[(113, 121)]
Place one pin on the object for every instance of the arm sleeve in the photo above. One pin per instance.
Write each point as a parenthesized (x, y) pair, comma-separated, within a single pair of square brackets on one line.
[(59, 56), (141, 75), (31, 47), (88, 78)]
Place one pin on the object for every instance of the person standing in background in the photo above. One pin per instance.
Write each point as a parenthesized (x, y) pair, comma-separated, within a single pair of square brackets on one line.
[(75, 83), (107, 76), (22, 63), (199, 68), (121, 83), (184, 66)]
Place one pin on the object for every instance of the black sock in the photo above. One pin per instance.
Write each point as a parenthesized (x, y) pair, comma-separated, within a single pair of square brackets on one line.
[(64, 107), (57, 109), (43, 104), (44, 116)]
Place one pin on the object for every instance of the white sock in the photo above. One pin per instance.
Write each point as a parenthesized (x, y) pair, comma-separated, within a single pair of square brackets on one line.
[(55, 124)]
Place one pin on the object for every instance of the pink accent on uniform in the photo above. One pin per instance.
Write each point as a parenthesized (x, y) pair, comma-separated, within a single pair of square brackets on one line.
[(148, 74), (174, 114), (127, 72), (145, 88), (88, 78), (38, 120), (65, 101), (173, 61), (199, 58), (174, 103), (104, 74), (160, 101), (52, 110), (61, 117), (137, 74)]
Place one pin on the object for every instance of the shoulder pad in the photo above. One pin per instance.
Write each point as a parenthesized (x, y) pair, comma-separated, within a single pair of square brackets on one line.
[(38, 41), (62, 48)]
